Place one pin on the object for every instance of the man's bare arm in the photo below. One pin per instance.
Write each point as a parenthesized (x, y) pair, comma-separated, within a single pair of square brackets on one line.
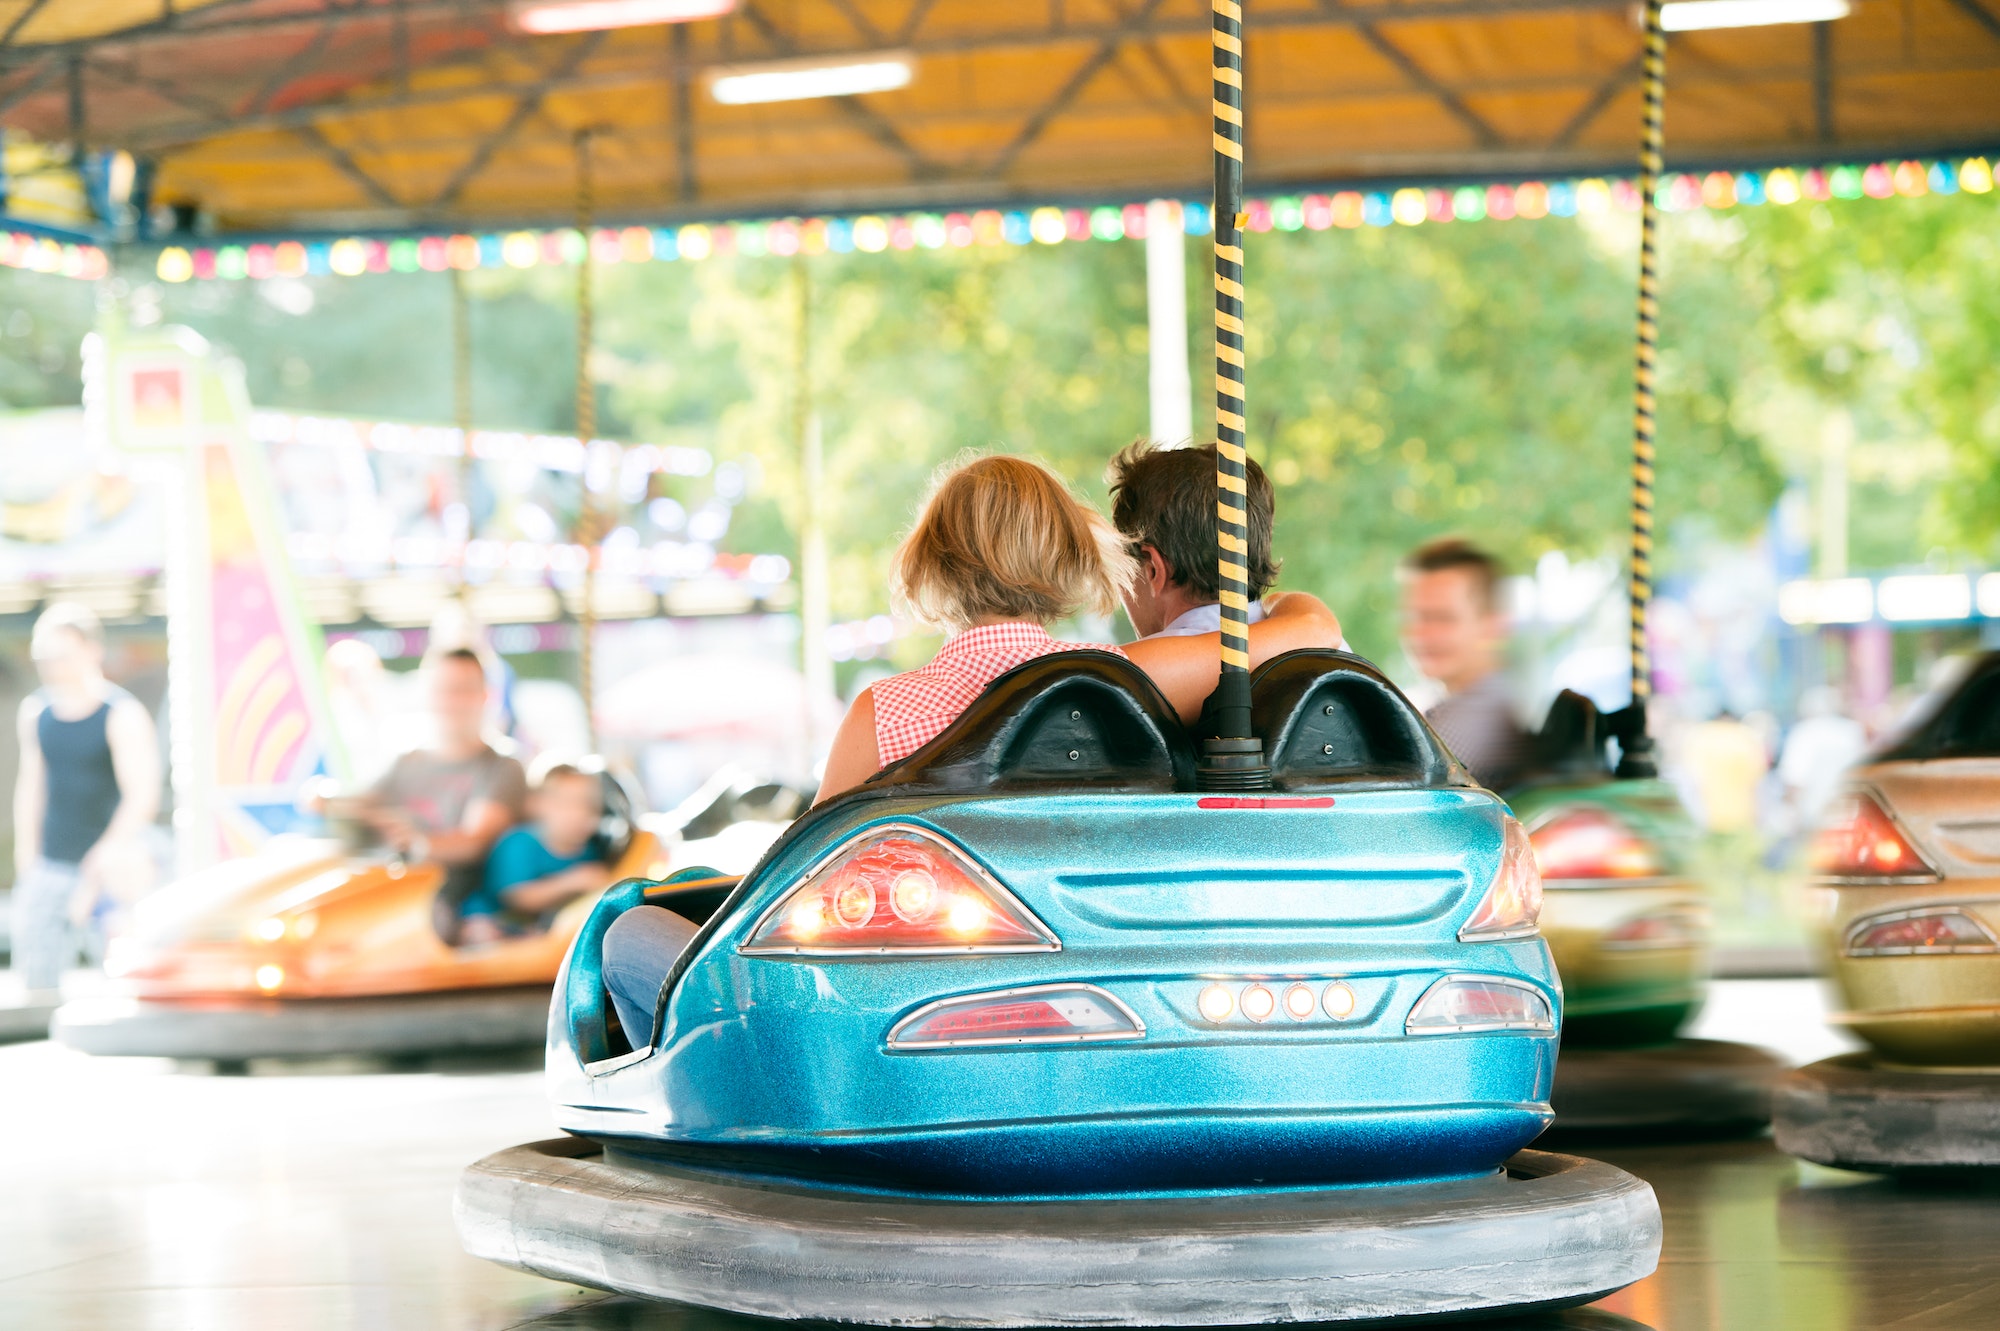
[(469, 842), (1186, 668)]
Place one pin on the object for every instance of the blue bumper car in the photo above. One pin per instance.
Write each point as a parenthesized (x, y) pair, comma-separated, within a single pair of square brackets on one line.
[(1028, 1031)]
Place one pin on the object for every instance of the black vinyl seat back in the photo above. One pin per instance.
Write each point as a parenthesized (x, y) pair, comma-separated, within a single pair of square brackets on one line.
[(1070, 720), (1331, 719), (1573, 742), (1963, 723)]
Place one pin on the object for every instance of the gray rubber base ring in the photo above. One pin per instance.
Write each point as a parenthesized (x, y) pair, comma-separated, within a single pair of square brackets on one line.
[(308, 1027), (1851, 1113), (24, 1021), (1691, 1087), (1555, 1230)]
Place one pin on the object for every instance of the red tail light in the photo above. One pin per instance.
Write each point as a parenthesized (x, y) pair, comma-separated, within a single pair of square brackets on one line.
[(1464, 1003), (1512, 906), (1925, 929), (1042, 1014), (898, 888), (1587, 842), (1676, 926), (1858, 840)]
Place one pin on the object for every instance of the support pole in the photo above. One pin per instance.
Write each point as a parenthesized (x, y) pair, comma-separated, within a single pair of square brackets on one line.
[(461, 408), (1232, 758), (1170, 384), (586, 431), (813, 608), (1635, 745)]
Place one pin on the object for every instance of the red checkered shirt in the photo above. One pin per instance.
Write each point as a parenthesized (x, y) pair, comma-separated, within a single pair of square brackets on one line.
[(910, 709)]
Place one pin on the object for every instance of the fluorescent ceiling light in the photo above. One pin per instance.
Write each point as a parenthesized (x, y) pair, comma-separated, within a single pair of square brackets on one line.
[(546, 16), (1698, 15), (796, 80)]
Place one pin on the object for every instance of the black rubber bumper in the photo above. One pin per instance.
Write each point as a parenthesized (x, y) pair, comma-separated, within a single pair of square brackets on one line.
[(308, 1027), (1685, 1088), (1853, 1113), (1552, 1231)]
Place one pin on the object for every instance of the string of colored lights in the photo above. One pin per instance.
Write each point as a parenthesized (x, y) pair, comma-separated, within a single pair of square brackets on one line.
[(874, 233)]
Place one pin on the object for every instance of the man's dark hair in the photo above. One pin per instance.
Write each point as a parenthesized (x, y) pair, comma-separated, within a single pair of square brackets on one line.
[(1448, 553), (1165, 498), (464, 654)]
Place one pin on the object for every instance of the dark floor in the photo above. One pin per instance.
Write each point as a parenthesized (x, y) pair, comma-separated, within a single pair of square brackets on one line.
[(140, 1197)]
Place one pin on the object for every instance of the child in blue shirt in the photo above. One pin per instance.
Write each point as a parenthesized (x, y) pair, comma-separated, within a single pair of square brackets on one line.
[(543, 864)]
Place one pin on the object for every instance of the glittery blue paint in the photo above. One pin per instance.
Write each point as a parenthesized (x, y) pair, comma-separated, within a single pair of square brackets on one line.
[(780, 1064)]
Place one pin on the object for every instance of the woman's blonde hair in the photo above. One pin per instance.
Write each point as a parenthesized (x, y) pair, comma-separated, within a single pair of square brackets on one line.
[(1002, 535)]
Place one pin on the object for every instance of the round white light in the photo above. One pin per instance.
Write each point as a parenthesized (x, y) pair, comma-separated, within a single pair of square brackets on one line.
[(270, 930), (1216, 1003), (1259, 1003), (270, 977), (1299, 1002), (1339, 1001)]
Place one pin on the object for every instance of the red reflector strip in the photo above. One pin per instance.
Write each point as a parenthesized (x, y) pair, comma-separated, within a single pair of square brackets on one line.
[(1264, 802)]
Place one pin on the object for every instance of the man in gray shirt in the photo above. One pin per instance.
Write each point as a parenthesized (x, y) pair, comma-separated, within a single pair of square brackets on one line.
[(450, 803), (1456, 632)]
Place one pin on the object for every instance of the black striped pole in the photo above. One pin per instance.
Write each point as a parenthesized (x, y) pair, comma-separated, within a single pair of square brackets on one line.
[(1232, 758), (1636, 747)]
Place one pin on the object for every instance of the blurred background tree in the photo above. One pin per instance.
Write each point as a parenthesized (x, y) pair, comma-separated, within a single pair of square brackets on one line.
[(1404, 382)]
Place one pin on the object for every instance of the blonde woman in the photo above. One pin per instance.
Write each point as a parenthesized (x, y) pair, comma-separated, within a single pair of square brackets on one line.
[(1000, 551)]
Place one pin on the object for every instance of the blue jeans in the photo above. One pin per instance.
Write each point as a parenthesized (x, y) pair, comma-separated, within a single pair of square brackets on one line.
[(44, 941), (640, 947)]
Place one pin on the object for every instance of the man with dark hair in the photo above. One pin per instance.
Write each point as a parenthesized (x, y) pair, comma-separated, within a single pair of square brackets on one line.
[(1163, 503), (450, 802), (1456, 632)]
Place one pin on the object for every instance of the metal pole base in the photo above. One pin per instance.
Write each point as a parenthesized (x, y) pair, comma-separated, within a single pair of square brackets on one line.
[(1232, 764)]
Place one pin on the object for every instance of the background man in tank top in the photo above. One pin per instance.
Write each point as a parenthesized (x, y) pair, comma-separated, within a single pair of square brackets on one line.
[(88, 787)]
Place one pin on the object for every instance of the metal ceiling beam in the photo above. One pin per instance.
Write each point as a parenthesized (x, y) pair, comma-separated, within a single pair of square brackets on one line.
[(1980, 14), (347, 166), (1594, 105), (872, 122), (187, 27), (1037, 123), (170, 137), (529, 102), (1482, 132), (293, 66), (21, 20)]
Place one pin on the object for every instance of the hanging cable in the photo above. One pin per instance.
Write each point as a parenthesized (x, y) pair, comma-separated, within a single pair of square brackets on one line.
[(586, 430), (1232, 759), (1635, 745), (461, 403)]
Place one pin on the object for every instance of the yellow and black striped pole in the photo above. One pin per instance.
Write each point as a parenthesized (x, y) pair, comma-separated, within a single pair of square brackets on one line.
[(1232, 757), (1636, 756)]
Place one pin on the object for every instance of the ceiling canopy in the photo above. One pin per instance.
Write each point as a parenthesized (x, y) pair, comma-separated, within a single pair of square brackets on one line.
[(362, 114)]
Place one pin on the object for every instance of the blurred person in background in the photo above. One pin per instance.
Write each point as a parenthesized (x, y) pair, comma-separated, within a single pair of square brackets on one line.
[(1726, 759), (1822, 745), (88, 788), (536, 869), (357, 686), (1455, 632), (450, 803)]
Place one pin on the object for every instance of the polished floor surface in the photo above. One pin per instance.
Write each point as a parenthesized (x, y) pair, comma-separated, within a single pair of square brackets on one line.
[(139, 1196)]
